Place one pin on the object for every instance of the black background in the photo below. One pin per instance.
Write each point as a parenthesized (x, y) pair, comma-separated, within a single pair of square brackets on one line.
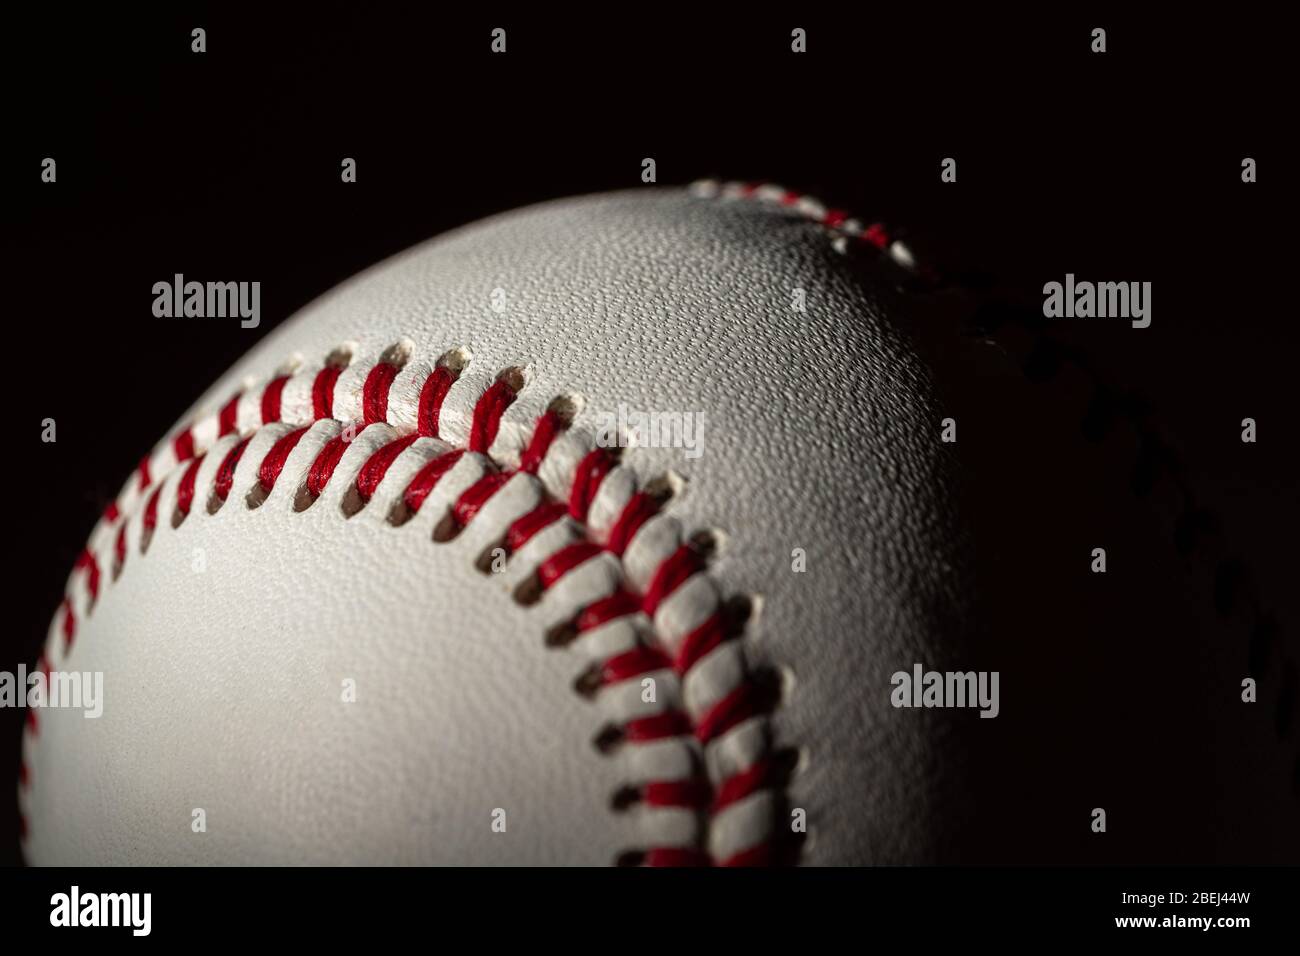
[(1124, 165)]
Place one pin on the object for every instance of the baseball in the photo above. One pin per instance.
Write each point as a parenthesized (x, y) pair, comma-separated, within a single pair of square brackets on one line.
[(569, 537)]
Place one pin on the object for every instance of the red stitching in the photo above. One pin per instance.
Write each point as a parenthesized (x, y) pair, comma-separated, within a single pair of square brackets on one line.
[(695, 791), (274, 461), (640, 509), (377, 465), (183, 445), (586, 482), (150, 519), (86, 562), (432, 394), (492, 404), (476, 496), (322, 392), (226, 473), (548, 427), (185, 490), (565, 560), (427, 477), (69, 625), (543, 516), (271, 399), (322, 469), (228, 419), (374, 394)]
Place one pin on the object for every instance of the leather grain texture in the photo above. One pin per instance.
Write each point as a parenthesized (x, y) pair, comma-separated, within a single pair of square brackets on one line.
[(225, 645)]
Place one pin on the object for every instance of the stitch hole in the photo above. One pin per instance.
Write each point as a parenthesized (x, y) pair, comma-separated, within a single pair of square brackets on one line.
[(483, 563), (290, 365), (772, 687), (341, 355), (515, 378), (352, 502), (567, 407), (447, 529), (561, 635), (397, 354), (588, 682), (663, 488), (455, 360), (529, 591), (609, 739), (303, 498), (256, 496), (624, 798), (709, 542), (400, 513)]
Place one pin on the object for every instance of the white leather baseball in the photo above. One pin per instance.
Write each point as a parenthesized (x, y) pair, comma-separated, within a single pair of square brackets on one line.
[(228, 635)]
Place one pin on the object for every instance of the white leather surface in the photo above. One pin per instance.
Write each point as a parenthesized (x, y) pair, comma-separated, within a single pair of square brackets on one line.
[(222, 686)]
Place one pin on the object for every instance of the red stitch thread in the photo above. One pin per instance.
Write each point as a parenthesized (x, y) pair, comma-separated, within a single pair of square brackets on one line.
[(691, 792), (738, 705), (271, 399), (110, 512), (677, 857), (144, 473), (679, 566), (619, 604), (322, 392), (183, 446), (86, 562), (377, 465), (672, 723), (639, 509), (431, 397), (322, 469), (565, 560), (640, 660), (69, 625), (491, 405), (119, 548), (543, 516), (228, 418), (699, 642), (374, 394), (547, 427), (738, 786), (591, 471), (274, 461), (876, 235), (226, 473), (150, 519), (427, 478), (185, 490), (476, 496)]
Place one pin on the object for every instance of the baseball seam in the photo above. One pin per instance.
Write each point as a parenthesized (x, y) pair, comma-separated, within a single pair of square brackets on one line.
[(612, 573)]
